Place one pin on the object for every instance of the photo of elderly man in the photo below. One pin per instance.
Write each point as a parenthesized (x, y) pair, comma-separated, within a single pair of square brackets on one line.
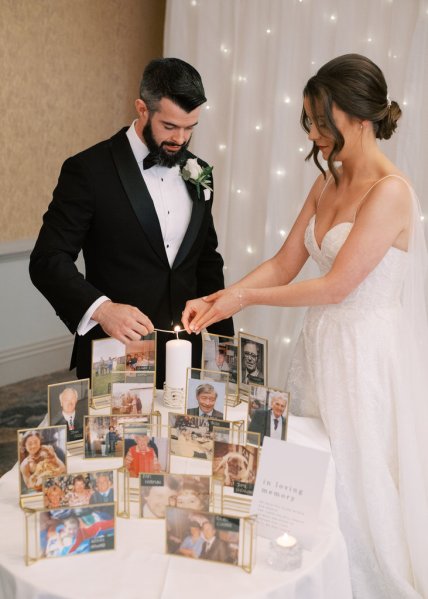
[(271, 422), (206, 400), (68, 404)]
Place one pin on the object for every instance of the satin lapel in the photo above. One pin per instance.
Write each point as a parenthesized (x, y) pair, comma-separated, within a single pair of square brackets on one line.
[(137, 192), (198, 211)]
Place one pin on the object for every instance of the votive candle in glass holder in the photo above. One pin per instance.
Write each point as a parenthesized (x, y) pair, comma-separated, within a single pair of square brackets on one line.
[(284, 553)]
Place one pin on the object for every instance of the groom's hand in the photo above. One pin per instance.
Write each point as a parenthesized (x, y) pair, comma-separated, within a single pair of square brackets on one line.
[(124, 323)]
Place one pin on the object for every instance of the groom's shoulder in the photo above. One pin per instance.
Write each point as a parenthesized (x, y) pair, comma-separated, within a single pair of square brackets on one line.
[(100, 148)]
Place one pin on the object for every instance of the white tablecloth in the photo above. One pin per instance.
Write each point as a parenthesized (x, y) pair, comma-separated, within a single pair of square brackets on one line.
[(139, 567)]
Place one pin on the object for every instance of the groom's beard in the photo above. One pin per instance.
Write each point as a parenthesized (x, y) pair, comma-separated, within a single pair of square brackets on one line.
[(162, 157)]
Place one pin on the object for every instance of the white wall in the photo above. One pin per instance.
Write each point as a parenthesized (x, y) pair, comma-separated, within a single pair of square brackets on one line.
[(33, 340)]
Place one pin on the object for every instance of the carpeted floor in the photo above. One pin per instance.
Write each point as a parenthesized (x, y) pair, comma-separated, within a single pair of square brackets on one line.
[(23, 405)]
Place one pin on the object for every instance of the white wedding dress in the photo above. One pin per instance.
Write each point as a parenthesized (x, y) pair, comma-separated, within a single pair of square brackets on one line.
[(347, 369)]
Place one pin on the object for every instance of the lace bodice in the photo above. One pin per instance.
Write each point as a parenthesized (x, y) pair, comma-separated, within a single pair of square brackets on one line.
[(380, 289)]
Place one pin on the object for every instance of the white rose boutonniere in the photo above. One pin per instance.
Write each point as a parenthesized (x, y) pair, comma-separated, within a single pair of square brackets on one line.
[(200, 176)]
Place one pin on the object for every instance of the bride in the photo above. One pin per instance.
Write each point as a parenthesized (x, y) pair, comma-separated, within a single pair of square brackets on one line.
[(359, 362)]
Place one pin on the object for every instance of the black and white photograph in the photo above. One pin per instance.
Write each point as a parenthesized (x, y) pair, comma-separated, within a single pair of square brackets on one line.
[(252, 360), (68, 403), (201, 535)]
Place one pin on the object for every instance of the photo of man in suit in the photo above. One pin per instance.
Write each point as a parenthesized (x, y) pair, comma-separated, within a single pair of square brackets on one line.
[(206, 396), (214, 548), (147, 234), (272, 422), (251, 363), (68, 408)]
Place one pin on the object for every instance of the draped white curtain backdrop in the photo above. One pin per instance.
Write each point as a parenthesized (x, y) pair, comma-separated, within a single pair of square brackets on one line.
[(255, 57)]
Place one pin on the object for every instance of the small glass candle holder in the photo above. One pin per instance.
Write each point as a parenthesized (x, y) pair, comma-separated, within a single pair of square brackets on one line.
[(284, 553)]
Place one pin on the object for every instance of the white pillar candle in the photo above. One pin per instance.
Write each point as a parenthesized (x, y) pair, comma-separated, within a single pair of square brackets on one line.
[(178, 360), (286, 540)]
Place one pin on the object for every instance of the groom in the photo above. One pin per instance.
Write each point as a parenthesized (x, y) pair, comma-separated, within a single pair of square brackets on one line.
[(147, 234)]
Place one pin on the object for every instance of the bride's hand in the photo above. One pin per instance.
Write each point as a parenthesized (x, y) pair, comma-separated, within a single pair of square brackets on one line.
[(221, 305), (194, 309)]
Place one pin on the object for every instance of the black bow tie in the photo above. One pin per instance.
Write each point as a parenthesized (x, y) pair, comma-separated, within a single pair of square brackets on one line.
[(149, 161)]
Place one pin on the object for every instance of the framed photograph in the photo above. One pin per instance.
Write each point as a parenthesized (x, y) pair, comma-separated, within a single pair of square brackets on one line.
[(108, 365), (253, 361), (143, 451), (132, 398), (104, 434), (68, 404), (41, 452), (236, 466), (103, 437), (206, 395), (268, 412), (221, 353), (193, 436), (77, 530), (159, 491), (200, 535), (80, 488), (141, 355)]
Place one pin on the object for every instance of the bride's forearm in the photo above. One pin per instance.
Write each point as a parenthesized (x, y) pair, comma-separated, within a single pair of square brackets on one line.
[(312, 292), (268, 274)]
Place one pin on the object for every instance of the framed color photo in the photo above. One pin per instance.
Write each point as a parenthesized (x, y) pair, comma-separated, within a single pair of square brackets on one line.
[(268, 412), (220, 354), (141, 355), (68, 404), (76, 531), (201, 535), (206, 395), (159, 491), (236, 466), (108, 365), (41, 452), (132, 398), (193, 436), (144, 451), (253, 354), (78, 489)]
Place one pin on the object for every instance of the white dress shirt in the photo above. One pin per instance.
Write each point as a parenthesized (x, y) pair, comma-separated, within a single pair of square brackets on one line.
[(173, 207)]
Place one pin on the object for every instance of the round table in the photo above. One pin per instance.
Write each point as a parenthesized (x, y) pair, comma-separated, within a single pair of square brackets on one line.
[(139, 567)]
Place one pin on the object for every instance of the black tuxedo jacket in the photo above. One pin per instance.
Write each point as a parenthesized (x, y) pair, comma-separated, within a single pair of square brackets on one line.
[(260, 423), (102, 206)]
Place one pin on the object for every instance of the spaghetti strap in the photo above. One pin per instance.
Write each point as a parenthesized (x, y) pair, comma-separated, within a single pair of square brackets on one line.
[(361, 201), (322, 191)]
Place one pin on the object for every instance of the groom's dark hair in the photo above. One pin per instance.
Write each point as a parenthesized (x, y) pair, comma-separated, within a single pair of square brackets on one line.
[(174, 79)]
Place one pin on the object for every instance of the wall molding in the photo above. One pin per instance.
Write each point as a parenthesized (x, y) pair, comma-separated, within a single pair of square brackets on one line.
[(16, 250), (35, 359)]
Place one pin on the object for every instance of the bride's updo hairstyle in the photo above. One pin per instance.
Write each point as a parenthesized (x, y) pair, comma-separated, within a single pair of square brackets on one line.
[(357, 86)]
